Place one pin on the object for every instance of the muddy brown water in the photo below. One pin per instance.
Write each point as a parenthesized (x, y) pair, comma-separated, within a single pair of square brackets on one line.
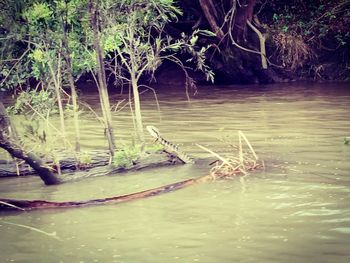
[(296, 210)]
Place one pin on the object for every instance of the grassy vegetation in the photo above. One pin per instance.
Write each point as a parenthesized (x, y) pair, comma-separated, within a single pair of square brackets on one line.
[(129, 154)]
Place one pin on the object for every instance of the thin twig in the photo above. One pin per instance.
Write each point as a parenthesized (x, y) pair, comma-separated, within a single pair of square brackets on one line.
[(249, 145), (156, 98), (216, 155), (11, 205), (22, 56), (53, 234), (240, 149)]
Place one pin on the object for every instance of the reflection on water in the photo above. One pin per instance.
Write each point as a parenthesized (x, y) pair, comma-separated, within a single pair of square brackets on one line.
[(297, 210)]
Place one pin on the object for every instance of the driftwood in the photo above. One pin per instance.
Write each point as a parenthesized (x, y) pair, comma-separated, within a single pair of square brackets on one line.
[(29, 205)]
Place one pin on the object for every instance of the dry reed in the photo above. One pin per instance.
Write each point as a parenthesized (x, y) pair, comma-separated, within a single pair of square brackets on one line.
[(234, 165), (292, 50)]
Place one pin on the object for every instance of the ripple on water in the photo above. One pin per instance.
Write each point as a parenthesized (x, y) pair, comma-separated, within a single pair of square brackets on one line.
[(295, 215), (323, 211), (343, 230)]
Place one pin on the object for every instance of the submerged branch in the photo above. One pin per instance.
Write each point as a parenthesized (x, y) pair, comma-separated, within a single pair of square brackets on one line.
[(29, 205), (228, 168), (53, 234)]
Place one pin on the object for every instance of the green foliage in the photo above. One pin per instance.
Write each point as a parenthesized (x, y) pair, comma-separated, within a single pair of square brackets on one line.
[(85, 158), (129, 154), (58, 40), (126, 156), (112, 37), (11, 79), (40, 27), (308, 33), (133, 36), (38, 13), (57, 29), (33, 102), (198, 56), (34, 132), (134, 33), (44, 26), (316, 20), (39, 63)]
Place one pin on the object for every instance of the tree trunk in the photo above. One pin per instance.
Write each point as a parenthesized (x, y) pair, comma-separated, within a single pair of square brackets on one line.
[(74, 96), (101, 75), (262, 40), (137, 106), (243, 14), (208, 10), (56, 76), (17, 151), (75, 105), (241, 47), (67, 56)]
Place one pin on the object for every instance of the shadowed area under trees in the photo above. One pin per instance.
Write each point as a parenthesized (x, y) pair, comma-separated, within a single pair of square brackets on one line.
[(298, 39)]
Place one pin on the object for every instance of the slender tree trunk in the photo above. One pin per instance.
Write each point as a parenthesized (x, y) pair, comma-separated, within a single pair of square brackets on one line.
[(74, 96), (101, 75), (56, 75), (17, 151), (262, 40), (67, 56), (244, 13), (134, 78), (75, 107), (138, 116)]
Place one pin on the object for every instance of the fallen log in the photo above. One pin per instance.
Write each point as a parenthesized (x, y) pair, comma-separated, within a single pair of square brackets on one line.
[(145, 161), (226, 167), (67, 161), (29, 205), (97, 167)]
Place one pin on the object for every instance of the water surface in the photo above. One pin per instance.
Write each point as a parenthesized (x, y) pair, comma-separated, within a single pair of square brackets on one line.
[(296, 210)]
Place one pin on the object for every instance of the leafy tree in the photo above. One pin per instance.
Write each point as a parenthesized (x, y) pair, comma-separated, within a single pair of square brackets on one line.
[(60, 50), (94, 10), (134, 37), (12, 50)]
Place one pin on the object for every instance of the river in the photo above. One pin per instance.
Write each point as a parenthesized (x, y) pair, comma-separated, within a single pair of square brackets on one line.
[(297, 209)]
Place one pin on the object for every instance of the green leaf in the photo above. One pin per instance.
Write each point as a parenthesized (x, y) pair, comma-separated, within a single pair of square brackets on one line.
[(207, 33), (39, 11), (38, 55), (193, 40)]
